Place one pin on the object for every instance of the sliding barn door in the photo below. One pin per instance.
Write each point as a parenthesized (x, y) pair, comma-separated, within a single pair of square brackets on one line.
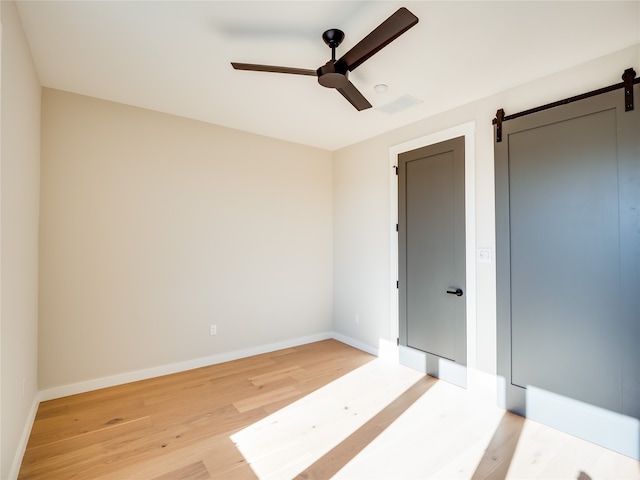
[(568, 254)]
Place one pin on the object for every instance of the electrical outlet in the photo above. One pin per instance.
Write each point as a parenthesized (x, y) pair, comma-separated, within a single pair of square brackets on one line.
[(213, 329)]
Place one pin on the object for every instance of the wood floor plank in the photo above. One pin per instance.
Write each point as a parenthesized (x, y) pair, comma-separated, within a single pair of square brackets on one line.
[(195, 471), (277, 375), (46, 412), (216, 452), (499, 453), (61, 427), (56, 449), (267, 398)]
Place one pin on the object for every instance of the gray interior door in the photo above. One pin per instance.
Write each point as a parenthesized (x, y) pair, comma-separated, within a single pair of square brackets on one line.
[(568, 254), (432, 250)]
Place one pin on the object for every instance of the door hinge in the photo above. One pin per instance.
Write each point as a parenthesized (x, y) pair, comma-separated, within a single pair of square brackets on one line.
[(397, 283), (395, 167), (397, 227), (397, 341)]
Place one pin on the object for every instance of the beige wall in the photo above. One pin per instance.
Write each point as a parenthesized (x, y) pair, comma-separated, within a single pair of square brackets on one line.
[(153, 227), (19, 200), (362, 202)]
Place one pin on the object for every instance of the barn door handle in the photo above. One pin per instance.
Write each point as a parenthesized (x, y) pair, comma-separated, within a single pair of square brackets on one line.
[(457, 292)]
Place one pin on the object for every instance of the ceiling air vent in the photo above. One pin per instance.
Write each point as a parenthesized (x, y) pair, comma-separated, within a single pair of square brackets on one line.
[(399, 104)]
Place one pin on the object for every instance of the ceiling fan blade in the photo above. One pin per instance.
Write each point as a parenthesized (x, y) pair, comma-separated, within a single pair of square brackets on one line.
[(351, 93), (270, 68), (380, 37)]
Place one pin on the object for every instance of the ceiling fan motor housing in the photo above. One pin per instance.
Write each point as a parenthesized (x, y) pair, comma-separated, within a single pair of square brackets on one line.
[(333, 75)]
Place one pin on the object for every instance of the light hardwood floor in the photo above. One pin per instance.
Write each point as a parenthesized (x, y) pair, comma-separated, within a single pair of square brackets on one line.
[(318, 411), (177, 426)]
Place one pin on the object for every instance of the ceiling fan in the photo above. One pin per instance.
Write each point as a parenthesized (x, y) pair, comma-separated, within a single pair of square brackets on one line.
[(335, 73)]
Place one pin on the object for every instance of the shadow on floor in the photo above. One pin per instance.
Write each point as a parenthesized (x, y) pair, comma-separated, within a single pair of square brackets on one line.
[(497, 458), (328, 465)]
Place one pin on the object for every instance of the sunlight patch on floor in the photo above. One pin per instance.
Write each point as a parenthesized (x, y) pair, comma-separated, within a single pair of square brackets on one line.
[(445, 434), (288, 441), (442, 435), (544, 452)]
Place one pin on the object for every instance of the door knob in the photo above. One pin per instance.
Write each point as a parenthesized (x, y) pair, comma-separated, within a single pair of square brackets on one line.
[(457, 292)]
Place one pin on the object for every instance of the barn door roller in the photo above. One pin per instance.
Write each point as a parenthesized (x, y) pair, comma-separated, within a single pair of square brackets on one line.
[(628, 76)]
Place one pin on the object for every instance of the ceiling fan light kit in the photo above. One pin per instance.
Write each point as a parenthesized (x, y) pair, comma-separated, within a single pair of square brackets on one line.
[(335, 73)]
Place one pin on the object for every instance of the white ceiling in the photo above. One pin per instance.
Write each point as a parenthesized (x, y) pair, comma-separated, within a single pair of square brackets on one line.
[(173, 56)]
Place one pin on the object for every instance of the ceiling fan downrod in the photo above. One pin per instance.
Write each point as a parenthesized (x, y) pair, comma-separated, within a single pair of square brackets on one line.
[(333, 38), (331, 75)]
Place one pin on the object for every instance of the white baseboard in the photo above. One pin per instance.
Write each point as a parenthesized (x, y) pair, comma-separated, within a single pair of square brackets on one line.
[(435, 366), (24, 438), (389, 351), (355, 343), (113, 380), (611, 430)]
